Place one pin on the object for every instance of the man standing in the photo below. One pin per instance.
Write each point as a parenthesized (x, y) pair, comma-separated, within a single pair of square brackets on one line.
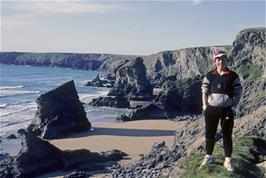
[(221, 92)]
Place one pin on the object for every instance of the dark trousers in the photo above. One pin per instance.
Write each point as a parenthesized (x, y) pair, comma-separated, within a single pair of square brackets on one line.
[(212, 117)]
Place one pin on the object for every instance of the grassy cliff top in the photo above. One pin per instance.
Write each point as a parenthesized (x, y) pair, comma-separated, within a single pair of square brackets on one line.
[(248, 151)]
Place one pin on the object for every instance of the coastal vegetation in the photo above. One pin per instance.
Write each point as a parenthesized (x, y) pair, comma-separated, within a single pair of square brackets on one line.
[(245, 157)]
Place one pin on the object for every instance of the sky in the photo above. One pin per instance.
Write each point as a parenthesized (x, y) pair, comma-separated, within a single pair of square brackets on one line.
[(124, 27)]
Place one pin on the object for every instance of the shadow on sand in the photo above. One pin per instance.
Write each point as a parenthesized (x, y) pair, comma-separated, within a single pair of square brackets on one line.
[(125, 132)]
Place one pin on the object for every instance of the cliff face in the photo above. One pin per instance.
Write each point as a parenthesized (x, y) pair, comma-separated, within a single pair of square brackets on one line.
[(64, 60), (249, 48), (131, 81), (181, 63), (248, 56)]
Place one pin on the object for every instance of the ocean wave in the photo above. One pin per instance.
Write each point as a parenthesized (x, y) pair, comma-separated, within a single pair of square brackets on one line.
[(103, 92), (17, 122), (3, 105), (87, 96), (10, 87), (12, 128), (7, 93), (17, 111)]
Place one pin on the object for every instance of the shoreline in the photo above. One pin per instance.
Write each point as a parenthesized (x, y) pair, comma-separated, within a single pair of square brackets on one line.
[(134, 137)]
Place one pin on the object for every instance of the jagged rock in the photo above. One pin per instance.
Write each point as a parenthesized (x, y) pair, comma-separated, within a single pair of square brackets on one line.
[(77, 174), (4, 156), (249, 48), (248, 57), (97, 82), (12, 136), (253, 124), (117, 102), (131, 81), (6, 168), (37, 157), (155, 164), (79, 158), (182, 63), (181, 96), (151, 111), (60, 113), (123, 117)]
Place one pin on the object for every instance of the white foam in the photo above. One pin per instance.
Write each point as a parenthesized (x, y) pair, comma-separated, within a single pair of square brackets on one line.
[(3, 105), (10, 87), (16, 108), (6, 130), (8, 92), (83, 97)]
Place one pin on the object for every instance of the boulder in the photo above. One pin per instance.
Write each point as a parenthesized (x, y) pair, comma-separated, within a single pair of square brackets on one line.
[(151, 111), (131, 81), (117, 102), (12, 136), (36, 156), (60, 113), (78, 158), (97, 82)]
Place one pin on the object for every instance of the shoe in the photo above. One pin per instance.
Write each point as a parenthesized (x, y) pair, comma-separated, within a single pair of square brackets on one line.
[(208, 159), (228, 164)]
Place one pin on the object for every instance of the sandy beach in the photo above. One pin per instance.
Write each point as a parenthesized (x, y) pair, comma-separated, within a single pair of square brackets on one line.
[(134, 138)]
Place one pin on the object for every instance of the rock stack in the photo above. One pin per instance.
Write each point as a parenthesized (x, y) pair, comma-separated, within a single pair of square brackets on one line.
[(60, 113)]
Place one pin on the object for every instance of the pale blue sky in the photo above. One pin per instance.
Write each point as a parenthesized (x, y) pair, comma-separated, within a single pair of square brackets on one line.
[(124, 27)]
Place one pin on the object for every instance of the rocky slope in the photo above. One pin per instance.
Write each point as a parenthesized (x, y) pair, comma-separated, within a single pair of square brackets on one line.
[(182, 63), (248, 55), (164, 161), (131, 81), (38, 157)]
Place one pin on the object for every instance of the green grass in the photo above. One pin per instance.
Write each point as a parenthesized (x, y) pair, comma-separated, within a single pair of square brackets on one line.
[(244, 159), (260, 95), (250, 71)]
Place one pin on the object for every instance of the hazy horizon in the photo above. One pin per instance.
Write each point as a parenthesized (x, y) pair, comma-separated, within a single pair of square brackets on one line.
[(124, 27)]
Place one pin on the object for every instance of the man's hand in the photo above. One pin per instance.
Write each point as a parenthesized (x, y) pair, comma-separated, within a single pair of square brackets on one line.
[(233, 109), (204, 107)]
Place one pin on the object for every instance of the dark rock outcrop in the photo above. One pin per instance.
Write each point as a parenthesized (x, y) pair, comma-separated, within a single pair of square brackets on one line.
[(97, 82), (131, 81), (117, 102), (182, 63), (249, 48), (12, 136), (151, 111), (37, 157), (155, 164), (60, 113), (253, 124), (248, 56), (181, 96), (82, 158)]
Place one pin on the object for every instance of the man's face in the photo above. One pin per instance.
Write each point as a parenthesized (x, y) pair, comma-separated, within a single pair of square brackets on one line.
[(220, 62)]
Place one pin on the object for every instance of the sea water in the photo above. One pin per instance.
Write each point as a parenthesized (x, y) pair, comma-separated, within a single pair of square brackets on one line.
[(20, 86)]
